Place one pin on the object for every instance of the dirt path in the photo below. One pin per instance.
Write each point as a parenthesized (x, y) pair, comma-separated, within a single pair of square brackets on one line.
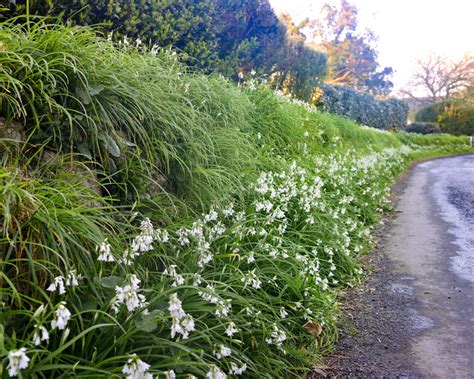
[(414, 317)]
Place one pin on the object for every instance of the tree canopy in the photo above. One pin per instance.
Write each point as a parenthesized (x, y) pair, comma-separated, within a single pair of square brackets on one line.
[(441, 78), (352, 57)]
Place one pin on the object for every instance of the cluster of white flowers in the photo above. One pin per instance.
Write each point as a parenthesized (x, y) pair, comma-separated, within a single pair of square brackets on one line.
[(61, 316), (231, 329), (104, 252), (236, 370), (129, 296), (144, 241), (40, 334), (17, 360), (277, 336), (182, 323), (135, 368), (223, 351), (215, 373), (60, 283), (251, 279), (178, 279)]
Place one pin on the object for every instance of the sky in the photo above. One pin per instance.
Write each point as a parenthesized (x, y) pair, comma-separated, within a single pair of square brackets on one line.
[(407, 30)]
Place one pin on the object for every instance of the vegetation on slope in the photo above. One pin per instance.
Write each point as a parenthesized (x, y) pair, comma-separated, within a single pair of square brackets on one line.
[(156, 221)]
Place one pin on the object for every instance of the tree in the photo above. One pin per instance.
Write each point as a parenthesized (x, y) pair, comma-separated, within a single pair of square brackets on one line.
[(248, 36), (300, 66), (352, 57), (441, 78)]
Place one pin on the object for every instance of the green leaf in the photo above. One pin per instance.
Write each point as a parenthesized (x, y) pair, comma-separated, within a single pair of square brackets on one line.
[(111, 281), (111, 145), (95, 90), (149, 322)]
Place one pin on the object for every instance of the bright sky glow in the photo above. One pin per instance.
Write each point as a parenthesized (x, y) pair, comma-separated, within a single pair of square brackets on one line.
[(407, 29)]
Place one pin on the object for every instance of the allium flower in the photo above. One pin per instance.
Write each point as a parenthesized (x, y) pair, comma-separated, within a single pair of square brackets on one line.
[(104, 250), (73, 278), (223, 308), (215, 373), (135, 368), (250, 257), (175, 307), (57, 284), (231, 329), (61, 316), (142, 243), (276, 337), (129, 256), (236, 370), (182, 323), (17, 360), (223, 351), (197, 280), (170, 374), (129, 296), (283, 312), (41, 334), (211, 216), (252, 279)]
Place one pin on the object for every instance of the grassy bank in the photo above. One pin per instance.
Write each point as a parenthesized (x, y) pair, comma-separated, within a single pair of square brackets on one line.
[(151, 214)]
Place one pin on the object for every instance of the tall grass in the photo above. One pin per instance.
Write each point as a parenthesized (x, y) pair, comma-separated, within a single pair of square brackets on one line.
[(242, 214)]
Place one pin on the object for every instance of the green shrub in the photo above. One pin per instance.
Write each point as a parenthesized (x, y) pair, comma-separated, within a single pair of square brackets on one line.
[(453, 116), (422, 128), (363, 108)]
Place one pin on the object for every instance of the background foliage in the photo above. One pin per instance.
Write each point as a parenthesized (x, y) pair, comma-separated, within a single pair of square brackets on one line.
[(452, 116), (363, 108)]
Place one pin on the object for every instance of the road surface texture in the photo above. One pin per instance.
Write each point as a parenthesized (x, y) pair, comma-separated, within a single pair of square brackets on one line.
[(414, 316)]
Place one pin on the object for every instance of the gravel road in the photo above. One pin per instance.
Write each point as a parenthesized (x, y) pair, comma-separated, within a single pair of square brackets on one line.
[(414, 316)]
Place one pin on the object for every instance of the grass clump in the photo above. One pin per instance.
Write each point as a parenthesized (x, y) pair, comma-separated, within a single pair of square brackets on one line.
[(156, 221)]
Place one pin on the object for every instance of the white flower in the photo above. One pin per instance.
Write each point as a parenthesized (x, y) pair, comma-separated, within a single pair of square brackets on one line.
[(210, 295), (252, 279), (223, 351), (41, 334), (250, 257), (104, 250), (61, 316), (175, 307), (223, 308), (187, 325), (231, 329), (229, 211), (170, 374), (129, 256), (73, 278), (58, 283), (215, 373), (197, 280), (283, 312), (211, 216), (17, 360), (142, 243), (129, 295), (236, 370), (253, 72), (276, 337), (241, 75), (135, 368)]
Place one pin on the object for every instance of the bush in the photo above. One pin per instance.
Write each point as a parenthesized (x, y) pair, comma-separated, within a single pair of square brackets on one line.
[(453, 116), (363, 108), (422, 128)]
